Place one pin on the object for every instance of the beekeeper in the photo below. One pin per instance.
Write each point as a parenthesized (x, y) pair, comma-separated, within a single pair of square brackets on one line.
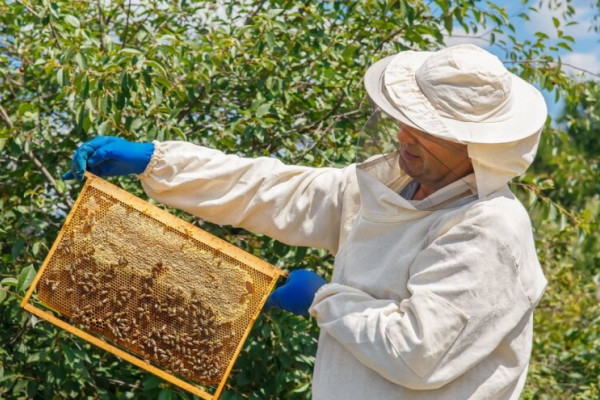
[(436, 275)]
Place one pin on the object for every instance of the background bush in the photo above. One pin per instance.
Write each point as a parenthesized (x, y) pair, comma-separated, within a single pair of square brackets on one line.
[(276, 78)]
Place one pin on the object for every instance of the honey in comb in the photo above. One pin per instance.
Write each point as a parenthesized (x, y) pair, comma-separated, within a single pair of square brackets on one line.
[(192, 269), (159, 295)]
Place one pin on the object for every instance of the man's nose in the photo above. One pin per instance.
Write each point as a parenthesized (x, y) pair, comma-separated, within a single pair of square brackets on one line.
[(405, 137)]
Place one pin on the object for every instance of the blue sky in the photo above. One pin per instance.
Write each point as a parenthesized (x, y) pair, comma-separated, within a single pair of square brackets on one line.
[(586, 48)]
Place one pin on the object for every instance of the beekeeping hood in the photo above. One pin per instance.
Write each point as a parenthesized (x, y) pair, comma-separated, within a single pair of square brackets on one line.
[(464, 94)]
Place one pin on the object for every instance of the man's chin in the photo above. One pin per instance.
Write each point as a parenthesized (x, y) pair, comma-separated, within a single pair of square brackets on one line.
[(405, 168)]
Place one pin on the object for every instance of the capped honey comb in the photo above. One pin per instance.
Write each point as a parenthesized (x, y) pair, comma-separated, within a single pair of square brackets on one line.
[(151, 288)]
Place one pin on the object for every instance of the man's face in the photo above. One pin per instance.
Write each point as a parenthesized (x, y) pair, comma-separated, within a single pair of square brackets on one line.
[(431, 161)]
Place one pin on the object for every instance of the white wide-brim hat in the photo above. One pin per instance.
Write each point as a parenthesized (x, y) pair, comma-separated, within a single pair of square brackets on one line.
[(461, 93)]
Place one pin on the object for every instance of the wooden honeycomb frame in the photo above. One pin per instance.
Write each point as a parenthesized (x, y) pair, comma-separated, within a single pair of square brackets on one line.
[(151, 288)]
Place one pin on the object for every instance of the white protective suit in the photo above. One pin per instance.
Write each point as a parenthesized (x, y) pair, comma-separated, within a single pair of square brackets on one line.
[(423, 304)]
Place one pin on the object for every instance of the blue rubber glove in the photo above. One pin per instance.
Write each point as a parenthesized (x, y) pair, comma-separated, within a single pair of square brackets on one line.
[(297, 294), (107, 155)]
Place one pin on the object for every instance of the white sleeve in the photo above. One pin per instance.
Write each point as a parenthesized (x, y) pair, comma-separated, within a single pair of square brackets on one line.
[(296, 205), (466, 297)]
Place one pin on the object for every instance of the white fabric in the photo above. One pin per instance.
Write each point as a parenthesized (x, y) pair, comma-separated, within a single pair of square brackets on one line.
[(461, 93), (496, 164), (423, 304)]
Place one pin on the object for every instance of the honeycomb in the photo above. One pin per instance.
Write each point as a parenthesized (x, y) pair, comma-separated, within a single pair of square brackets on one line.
[(163, 289)]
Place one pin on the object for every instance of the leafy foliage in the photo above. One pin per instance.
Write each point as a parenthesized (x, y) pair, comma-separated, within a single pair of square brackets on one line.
[(279, 78)]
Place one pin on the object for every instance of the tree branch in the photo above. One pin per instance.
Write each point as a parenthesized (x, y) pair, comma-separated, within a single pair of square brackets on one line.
[(324, 132), (187, 110), (597, 75), (387, 39), (33, 158), (124, 40), (336, 106), (256, 10), (5, 117), (100, 24)]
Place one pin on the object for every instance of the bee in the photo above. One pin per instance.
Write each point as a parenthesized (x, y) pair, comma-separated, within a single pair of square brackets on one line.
[(158, 269), (87, 226), (169, 339), (95, 278), (65, 248), (53, 284), (197, 368), (110, 274)]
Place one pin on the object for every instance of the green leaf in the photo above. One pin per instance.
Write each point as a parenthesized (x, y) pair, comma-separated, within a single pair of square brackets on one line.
[(165, 395), (302, 388), (157, 66), (152, 382), (60, 77), (448, 23), (24, 108), (9, 282), (263, 109), (84, 88), (35, 249), (565, 46), (131, 51), (104, 128), (25, 278), (72, 20), (3, 294), (17, 247), (61, 187), (125, 82), (136, 124), (69, 354), (158, 95), (81, 60)]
